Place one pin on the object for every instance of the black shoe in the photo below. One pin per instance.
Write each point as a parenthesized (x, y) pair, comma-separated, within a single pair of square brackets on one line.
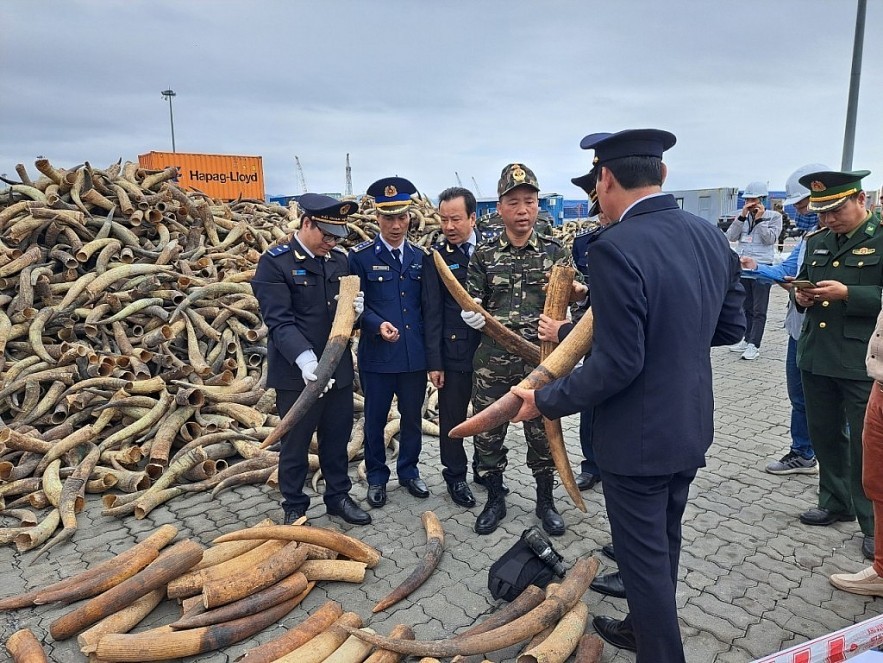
[(824, 517), (460, 493), (607, 551), (417, 487), (587, 480), (611, 585), (613, 632), (347, 509), (552, 521), (480, 480), (376, 495), (868, 547), (495, 509), (293, 514)]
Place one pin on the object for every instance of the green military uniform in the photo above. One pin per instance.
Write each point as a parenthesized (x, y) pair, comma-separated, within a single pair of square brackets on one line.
[(509, 281), (491, 227), (831, 357)]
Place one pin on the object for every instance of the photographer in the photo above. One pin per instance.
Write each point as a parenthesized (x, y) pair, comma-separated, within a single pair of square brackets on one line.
[(756, 230)]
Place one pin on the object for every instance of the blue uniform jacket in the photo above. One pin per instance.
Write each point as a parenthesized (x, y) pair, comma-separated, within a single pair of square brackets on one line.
[(396, 293), (296, 295), (458, 341), (665, 288)]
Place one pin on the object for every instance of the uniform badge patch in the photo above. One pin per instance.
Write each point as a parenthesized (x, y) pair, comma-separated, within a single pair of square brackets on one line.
[(298, 272), (380, 268), (821, 252), (864, 251)]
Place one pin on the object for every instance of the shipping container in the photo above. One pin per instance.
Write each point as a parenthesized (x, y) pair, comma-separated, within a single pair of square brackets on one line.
[(551, 203), (223, 176)]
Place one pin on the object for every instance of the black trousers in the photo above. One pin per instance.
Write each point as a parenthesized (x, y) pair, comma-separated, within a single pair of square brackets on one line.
[(332, 418), (453, 401), (757, 301), (645, 519)]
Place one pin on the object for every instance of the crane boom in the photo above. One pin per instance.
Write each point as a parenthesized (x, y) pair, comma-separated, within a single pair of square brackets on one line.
[(477, 191), (300, 175), (459, 183), (349, 176)]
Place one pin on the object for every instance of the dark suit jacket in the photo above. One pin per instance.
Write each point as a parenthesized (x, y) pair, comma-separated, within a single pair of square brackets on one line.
[(296, 295), (457, 340), (665, 288)]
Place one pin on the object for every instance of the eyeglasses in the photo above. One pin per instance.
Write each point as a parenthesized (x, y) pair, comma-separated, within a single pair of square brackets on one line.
[(329, 238)]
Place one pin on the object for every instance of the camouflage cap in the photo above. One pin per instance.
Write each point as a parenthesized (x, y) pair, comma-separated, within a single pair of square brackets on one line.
[(515, 175)]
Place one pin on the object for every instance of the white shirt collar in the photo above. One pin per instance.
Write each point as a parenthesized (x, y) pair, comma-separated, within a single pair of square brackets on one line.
[(652, 195), (309, 253), (390, 247), (472, 239)]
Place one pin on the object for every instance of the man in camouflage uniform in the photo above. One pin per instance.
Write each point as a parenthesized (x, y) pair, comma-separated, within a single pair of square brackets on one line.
[(507, 277)]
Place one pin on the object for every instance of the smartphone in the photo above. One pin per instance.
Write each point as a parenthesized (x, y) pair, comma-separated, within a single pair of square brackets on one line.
[(801, 284)]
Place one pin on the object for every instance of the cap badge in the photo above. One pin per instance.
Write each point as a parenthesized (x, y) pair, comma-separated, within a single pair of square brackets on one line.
[(346, 209), (815, 185), (390, 191), (518, 173)]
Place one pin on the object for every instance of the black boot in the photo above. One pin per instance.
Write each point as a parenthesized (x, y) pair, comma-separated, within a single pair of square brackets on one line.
[(495, 509), (553, 523), (476, 478)]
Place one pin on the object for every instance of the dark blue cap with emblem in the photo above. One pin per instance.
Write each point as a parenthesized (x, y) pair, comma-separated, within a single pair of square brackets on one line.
[(392, 195), (588, 183), (628, 143), (327, 213)]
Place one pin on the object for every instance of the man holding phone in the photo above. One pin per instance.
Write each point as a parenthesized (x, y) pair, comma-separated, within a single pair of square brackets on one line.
[(756, 231), (846, 264)]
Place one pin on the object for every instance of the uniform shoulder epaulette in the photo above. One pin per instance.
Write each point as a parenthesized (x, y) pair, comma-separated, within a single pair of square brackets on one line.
[(815, 232), (423, 248), (339, 249), (364, 245), (277, 251)]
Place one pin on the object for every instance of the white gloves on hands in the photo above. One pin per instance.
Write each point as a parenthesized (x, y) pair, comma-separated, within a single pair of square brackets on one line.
[(308, 364), (359, 303), (473, 318)]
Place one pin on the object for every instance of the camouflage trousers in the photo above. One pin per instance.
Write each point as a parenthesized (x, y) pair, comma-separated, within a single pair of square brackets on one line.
[(495, 370)]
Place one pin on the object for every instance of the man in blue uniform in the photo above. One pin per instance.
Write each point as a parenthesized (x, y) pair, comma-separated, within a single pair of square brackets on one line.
[(665, 288), (296, 285), (450, 363), (392, 350)]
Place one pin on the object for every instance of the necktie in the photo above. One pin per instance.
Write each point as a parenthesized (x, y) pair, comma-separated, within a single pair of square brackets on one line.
[(467, 249), (397, 254), (841, 240)]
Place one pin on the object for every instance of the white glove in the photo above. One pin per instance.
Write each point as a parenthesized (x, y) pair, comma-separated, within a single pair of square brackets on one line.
[(473, 318), (359, 303), (308, 364)]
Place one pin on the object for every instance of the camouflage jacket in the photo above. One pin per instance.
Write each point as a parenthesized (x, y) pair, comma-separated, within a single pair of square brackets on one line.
[(509, 280)]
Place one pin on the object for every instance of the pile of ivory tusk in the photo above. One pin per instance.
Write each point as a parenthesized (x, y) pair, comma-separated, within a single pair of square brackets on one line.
[(252, 578), (132, 351)]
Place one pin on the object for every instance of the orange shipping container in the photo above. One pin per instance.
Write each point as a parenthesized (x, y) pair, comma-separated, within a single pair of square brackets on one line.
[(224, 176)]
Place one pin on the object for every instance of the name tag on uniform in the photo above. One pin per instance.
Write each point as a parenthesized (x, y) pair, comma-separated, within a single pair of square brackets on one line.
[(456, 265), (298, 272), (380, 268), (821, 252)]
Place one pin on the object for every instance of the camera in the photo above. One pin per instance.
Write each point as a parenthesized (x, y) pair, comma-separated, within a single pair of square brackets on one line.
[(541, 546)]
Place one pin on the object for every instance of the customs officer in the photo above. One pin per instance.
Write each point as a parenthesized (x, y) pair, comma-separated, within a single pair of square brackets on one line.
[(296, 285), (392, 349), (845, 262), (507, 277), (665, 288)]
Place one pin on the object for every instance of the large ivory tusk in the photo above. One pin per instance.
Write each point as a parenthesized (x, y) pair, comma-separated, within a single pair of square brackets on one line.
[(435, 545), (559, 363), (547, 613), (493, 327), (341, 330), (563, 639)]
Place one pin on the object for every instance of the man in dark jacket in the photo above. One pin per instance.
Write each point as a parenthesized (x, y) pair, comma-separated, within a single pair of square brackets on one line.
[(665, 288), (296, 285)]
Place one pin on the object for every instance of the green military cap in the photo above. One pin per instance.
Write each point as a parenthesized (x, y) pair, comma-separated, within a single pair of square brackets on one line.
[(828, 189), (515, 175)]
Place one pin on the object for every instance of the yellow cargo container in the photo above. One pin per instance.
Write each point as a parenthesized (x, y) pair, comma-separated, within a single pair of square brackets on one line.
[(224, 176)]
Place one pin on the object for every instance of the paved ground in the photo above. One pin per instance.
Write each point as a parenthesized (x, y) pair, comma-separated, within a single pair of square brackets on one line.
[(753, 579)]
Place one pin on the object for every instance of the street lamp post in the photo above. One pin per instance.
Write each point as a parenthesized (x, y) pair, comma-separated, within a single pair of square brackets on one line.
[(168, 94)]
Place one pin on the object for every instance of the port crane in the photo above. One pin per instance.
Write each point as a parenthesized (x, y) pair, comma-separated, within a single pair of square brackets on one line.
[(300, 175)]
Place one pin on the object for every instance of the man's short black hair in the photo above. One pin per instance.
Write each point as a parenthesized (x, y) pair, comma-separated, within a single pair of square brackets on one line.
[(459, 192), (636, 172)]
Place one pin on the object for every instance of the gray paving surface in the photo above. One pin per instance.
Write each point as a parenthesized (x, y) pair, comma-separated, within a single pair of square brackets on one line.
[(753, 579)]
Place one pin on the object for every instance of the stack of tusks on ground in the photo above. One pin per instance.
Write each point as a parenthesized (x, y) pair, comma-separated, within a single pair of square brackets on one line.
[(132, 353), (252, 578)]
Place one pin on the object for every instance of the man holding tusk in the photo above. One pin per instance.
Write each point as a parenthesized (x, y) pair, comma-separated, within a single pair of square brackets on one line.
[(392, 347), (506, 276), (296, 285), (665, 289)]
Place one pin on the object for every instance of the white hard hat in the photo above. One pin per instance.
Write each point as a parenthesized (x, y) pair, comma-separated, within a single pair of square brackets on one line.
[(794, 190), (756, 190)]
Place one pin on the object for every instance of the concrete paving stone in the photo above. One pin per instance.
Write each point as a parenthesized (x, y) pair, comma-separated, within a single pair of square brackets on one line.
[(730, 587), (712, 606), (702, 646), (760, 599), (762, 639)]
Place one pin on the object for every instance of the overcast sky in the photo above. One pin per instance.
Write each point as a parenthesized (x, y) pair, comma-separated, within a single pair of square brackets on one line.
[(752, 88)]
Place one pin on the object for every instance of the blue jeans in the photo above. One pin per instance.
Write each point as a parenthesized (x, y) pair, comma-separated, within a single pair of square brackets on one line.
[(800, 442)]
